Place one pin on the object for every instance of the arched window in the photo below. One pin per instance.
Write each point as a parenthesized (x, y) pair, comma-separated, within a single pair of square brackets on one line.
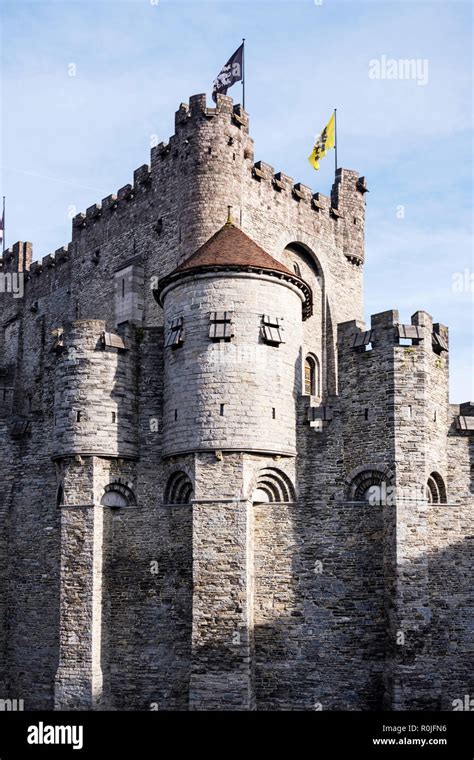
[(372, 487), (435, 489), (117, 495), (179, 489), (299, 252), (273, 485), (310, 376)]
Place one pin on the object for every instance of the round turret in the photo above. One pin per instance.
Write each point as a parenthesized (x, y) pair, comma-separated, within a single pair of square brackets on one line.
[(93, 410), (233, 339)]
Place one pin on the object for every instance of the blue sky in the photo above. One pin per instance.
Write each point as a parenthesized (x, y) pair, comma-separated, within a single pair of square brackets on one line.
[(69, 141)]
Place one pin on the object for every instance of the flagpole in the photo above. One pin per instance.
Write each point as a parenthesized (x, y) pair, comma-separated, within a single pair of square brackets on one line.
[(3, 224), (335, 140), (243, 73)]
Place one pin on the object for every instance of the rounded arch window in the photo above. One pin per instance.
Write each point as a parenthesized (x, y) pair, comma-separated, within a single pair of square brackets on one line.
[(117, 495), (371, 487), (273, 485), (179, 489), (299, 253), (311, 379), (436, 489)]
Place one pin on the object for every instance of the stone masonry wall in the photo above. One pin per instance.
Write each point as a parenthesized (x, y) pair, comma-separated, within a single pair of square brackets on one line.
[(228, 599), (204, 379)]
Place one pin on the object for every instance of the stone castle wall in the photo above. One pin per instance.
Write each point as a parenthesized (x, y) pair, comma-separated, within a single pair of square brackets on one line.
[(224, 599)]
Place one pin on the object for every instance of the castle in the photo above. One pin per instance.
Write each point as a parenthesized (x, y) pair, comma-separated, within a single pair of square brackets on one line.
[(220, 488)]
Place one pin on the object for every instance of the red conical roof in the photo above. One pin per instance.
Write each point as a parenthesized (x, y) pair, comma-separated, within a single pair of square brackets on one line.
[(229, 246)]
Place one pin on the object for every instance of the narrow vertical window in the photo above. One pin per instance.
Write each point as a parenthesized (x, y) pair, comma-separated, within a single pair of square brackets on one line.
[(436, 489), (310, 376), (222, 410)]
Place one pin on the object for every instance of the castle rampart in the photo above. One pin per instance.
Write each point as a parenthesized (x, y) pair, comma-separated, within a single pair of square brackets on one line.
[(221, 489)]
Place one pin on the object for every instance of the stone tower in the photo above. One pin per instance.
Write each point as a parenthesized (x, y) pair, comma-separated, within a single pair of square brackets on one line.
[(234, 330), (220, 489)]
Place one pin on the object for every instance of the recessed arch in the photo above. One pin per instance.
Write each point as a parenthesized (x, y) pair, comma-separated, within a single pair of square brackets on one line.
[(118, 495), (436, 489), (319, 337), (297, 251), (272, 485), (179, 489), (369, 486)]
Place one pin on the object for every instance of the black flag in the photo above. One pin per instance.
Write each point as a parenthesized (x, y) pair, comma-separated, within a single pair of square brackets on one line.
[(230, 74)]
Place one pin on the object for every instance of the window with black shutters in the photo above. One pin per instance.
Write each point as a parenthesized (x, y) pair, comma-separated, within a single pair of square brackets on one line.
[(175, 335), (271, 330), (221, 325)]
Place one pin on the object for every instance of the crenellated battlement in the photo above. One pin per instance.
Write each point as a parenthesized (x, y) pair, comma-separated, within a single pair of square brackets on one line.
[(198, 109), (285, 185), (142, 181), (387, 330), (38, 278), (51, 260), (393, 395), (206, 164), (346, 201), (187, 115), (464, 418), (18, 258)]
